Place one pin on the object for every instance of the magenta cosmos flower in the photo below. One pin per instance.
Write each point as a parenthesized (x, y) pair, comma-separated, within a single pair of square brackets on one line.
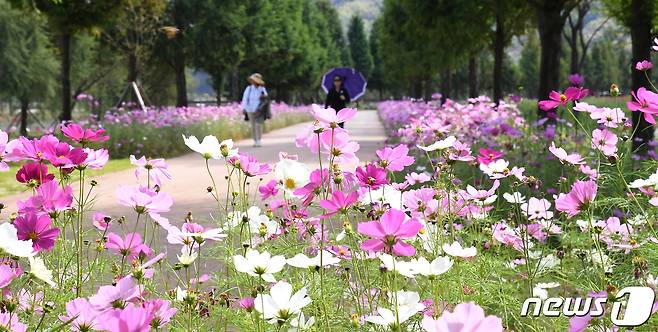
[(83, 136), (156, 168), (561, 99), (487, 155), (643, 65), (395, 159), (110, 296), (38, 228), (578, 199), (388, 232), (145, 200), (268, 190), (372, 176), (467, 317), (65, 156), (646, 102), (33, 174), (49, 198), (249, 165), (339, 203), (26, 149), (161, 311), (131, 246), (576, 79), (314, 186)]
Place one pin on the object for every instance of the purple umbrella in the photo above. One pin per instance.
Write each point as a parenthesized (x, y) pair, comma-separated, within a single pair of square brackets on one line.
[(353, 81)]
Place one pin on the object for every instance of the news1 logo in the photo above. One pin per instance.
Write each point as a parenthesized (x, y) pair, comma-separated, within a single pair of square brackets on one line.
[(632, 306)]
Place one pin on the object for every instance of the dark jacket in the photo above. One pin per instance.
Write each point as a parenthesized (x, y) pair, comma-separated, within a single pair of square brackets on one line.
[(334, 101)]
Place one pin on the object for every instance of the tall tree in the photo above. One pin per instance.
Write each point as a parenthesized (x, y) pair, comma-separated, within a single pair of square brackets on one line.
[(27, 64), (359, 47), (376, 80), (67, 18), (529, 65), (551, 17), (637, 16), (575, 35), (336, 30)]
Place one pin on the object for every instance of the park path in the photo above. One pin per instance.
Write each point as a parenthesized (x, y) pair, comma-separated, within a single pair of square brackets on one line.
[(190, 178)]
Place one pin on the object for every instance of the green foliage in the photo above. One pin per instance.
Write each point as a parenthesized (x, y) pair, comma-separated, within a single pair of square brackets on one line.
[(359, 47), (529, 65)]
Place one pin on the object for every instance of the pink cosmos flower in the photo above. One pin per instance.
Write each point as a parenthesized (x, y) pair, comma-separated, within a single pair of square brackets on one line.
[(9, 322), (313, 187), (339, 203), (268, 190), (372, 176), (646, 102), (64, 156), (145, 200), (4, 138), (561, 154), (246, 303), (578, 199), (8, 274), (131, 246), (36, 227), (249, 165), (395, 159), (83, 136), (460, 152), (330, 118), (605, 141), (561, 99), (340, 251), (115, 296), (84, 316), (420, 202), (132, 318), (191, 233), (96, 159), (101, 221), (537, 208), (591, 172), (26, 149), (49, 198), (643, 65), (487, 155), (33, 174), (415, 178), (388, 232), (161, 311), (337, 144), (467, 317), (156, 168)]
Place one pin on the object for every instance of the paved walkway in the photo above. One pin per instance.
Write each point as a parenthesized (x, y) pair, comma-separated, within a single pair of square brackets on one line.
[(190, 178)]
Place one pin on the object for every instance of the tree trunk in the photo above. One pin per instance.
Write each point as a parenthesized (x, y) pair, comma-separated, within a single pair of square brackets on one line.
[(25, 105), (573, 44), (132, 67), (181, 81), (641, 49), (218, 85), (417, 87), (446, 77), (65, 63), (550, 22), (472, 77), (499, 48), (235, 84)]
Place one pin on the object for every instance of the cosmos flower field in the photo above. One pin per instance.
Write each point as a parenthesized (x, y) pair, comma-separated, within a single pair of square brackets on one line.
[(469, 211)]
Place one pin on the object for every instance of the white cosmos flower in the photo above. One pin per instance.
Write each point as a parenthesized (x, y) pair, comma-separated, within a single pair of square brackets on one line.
[(226, 148), (186, 258), (391, 264), (439, 145), (495, 167), (514, 198), (456, 250), (10, 244), (281, 304), (408, 304), (292, 174), (39, 270), (541, 289), (438, 266), (304, 262), (208, 148), (300, 323), (259, 224), (386, 194), (259, 264), (181, 294)]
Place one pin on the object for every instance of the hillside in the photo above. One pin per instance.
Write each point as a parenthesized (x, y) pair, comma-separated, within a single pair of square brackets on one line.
[(367, 9)]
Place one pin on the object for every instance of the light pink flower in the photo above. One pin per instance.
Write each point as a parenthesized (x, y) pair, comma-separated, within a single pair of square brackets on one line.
[(132, 318), (145, 200), (395, 159), (84, 316), (578, 199), (4, 138), (467, 317), (115, 296), (83, 136), (605, 141), (131, 246), (388, 232), (561, 154), (339, 203), (330, 118), (156, 168)]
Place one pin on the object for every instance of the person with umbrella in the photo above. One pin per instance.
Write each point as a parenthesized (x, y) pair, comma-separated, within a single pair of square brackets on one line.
[(337, 97), (253, 97)]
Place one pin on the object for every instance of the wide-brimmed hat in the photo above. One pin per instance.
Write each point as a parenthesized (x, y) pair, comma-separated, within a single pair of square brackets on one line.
[(256, 78)]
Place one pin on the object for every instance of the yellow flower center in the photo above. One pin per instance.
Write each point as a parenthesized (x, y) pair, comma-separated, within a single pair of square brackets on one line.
[(289, 183)]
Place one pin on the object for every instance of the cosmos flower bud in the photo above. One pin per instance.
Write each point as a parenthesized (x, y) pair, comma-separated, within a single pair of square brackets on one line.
[(614, 90)]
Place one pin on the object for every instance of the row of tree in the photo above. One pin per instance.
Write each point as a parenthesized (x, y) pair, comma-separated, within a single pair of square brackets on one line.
[(66, 49)]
